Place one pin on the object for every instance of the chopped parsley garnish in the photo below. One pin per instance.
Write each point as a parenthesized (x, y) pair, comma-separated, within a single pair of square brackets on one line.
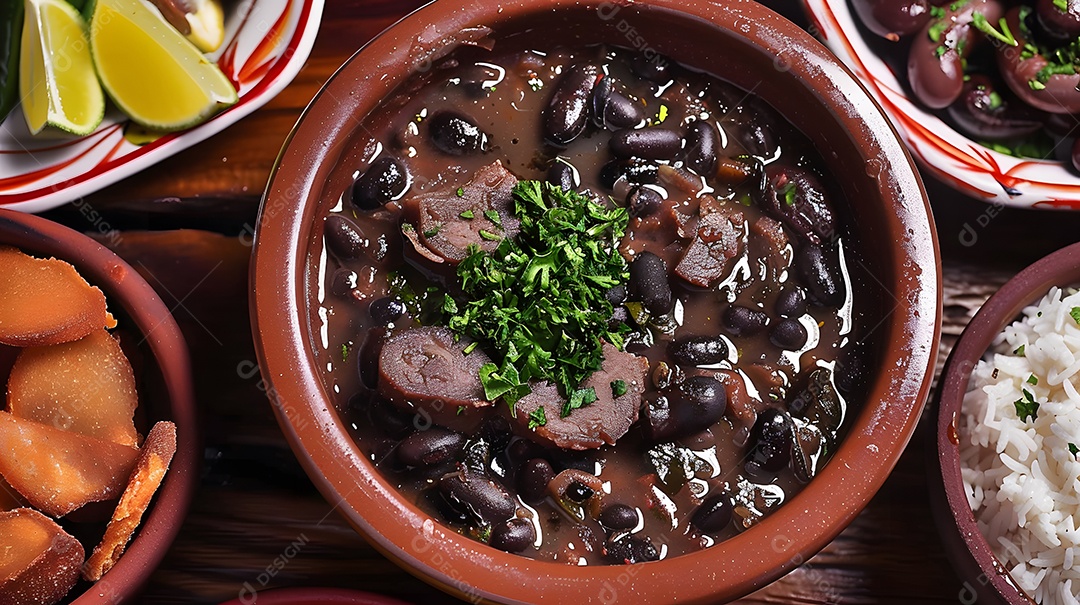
[(1026, 407), (955, 6), (937, 12), (537, 302), (538, 417), (493, 216), (938, 28), (460, 192), (344, 352), (1063, 6), (468, 214), (1019, 350), (1075, 314), (488, 235), (662, 115), (1032, 379), (1004, 35), (578, 399), (432, 232), (1073, 449), (618, 388)]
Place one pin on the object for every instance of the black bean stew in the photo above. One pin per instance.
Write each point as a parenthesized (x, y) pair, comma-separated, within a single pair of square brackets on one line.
[(587, 306)]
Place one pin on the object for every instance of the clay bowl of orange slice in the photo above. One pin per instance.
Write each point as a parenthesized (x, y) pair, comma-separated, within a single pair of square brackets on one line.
[(98, 444)]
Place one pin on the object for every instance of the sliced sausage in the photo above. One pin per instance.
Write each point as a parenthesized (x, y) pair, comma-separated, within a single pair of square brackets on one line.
[(423, 370), (719, 238), (444, 228), (601, 422)]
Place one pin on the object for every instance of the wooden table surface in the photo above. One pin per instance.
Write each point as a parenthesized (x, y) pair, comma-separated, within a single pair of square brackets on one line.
[(257, 522)]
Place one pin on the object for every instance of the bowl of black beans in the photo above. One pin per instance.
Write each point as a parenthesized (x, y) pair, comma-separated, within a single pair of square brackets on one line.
[(564, 299)]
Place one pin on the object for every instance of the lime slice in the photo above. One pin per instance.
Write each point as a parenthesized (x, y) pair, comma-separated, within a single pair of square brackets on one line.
[(56, 76), (150, 70)]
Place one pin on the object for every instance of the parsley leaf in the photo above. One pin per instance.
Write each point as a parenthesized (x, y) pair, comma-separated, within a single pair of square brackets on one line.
[(1075, 314), (468, 214), (344, 352), (538, 417), (1019, 350), (618, 388), (1032, 379), (1026, 407), (788, 192), (493, 216), (537, 302), (1073, 449), (578, 399), (460, 192)]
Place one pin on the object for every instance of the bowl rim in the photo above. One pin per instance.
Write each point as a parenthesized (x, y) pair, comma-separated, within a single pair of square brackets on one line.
[(1001, 309), (466, 568), (954, 158), (124, 286)]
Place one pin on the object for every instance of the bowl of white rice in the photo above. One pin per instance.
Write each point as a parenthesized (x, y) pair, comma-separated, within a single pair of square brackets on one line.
[(1008, 441)]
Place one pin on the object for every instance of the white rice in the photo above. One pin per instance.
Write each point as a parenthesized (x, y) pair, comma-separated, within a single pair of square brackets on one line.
[(1023, 482)]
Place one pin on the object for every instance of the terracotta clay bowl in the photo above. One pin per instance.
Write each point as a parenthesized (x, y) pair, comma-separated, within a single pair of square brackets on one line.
[(740, 41), (983, 575), (139, 308)]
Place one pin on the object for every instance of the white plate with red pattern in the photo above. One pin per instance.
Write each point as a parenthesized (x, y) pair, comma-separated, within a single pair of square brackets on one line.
[(950, 156), (266, 44)]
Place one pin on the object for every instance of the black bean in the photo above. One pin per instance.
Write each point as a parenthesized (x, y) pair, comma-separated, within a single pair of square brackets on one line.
[(791, 302), (788, 333), (343, 237), (744, 321), (770, 443), (649, 283), (612, 109), (756, 137), (656, 68), (619, 516), (797, 198), (563, 175), (533, 479), (513, 536), (568, 110), (452, 512), (343, 281), (644, 201), (578, 492), (636, 171), (486, 500), (386, 310), (702, 147), (386, 179), (390, 419), (456, 134), (714, 514), (428, 448), (699, 403), (653, 143), (707, 397), (698, 350), (1063, 25), (819, 268), (630, 549), (616, 295)]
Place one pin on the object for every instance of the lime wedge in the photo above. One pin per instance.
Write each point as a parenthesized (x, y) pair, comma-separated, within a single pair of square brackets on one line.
[(56, 76), (150, 70)]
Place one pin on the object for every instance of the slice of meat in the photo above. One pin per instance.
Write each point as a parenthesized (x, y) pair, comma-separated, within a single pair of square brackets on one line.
[(601, 422), (424, 370), (86, 386), (150, 468), (39, 561), (445, 233), (58, 471), (721, 230), (46, 302)]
